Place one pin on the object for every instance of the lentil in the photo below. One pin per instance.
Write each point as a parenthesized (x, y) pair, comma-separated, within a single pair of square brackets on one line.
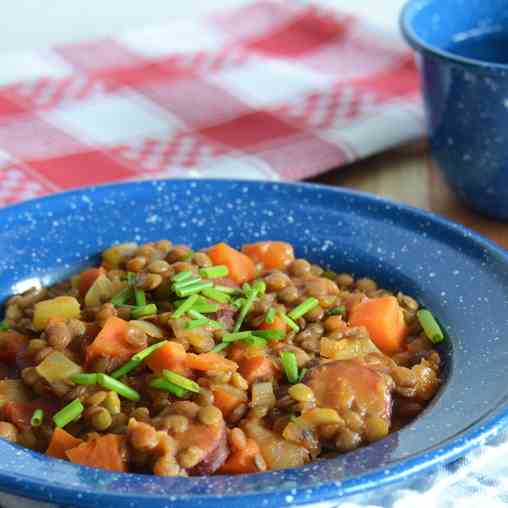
[(101, 419), (239, 381), (300, 267), (344, 280), (178, 253), (151, 281), (112, 403), (159, 266), (365, 284), (36, 345), (176, 423), (288, 295), (276, 281), (202, 260), (58, 335), (210, 415), (301, 393), (96, 399), (136, 264), (190, 457)]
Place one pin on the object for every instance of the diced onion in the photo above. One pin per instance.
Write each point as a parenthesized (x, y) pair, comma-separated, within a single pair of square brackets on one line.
[(100, 291), (262, 395)]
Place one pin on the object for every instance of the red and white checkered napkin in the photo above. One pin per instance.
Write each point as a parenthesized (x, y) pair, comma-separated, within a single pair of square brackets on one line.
[(271, 90)]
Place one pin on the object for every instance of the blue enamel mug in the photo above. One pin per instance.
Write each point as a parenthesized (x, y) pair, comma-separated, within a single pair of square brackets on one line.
[(462, 51)]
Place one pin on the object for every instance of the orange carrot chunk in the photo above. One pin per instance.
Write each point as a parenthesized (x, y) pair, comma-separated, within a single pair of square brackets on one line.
[(112, 342), (87, 278), (254, 368), (61, 441), (384, 320), (277, 324), (242, 460), (241, 267), (270, 254), (209, 361), (225, 400), (171, 356), (104, 452)]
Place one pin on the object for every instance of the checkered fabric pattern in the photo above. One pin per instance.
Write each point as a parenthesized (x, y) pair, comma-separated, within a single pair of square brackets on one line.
[(272, 90)]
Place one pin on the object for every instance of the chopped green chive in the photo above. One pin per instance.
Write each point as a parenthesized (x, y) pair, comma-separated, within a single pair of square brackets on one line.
[(245, 309), (193, 288), (288, 360), (239, 302), (179, 277), (84, 379), (255, 341), (181, 381), (216, 295), (220, 347), (214, 272), (269, 334), (145, 353), (195, 323), (260, 286), (146, 310), (201, 305), (121, 297), (233, 337), (131, 278), (303, 308), (289, 322), (228, 290), (114, 385), (140, 297), (194, 314), (184, 307), (37, 418), (68, 413), (210, 322), (126, 368), (335, 311), (206, 308), (430, 326), (270, 316), (184, 283), (166, 386), (4, 326), (302, 374), (246, 288)]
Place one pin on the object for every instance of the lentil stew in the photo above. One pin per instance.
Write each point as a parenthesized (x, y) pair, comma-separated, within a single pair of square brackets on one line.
[(173, 362)]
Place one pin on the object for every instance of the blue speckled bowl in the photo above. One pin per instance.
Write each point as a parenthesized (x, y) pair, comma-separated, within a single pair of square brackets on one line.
[(460, 276), (466, 102)]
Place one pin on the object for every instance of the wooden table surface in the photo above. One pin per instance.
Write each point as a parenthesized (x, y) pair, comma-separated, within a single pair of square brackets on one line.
[(407, 175)]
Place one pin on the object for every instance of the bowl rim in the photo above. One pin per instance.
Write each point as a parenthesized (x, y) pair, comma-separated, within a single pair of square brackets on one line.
[(412, 7), (427, 461)]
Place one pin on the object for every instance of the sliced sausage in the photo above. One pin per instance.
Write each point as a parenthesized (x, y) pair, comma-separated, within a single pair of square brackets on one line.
[(341, 383)]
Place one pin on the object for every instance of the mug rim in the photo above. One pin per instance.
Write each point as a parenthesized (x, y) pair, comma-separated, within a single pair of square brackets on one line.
[(410, 8)]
